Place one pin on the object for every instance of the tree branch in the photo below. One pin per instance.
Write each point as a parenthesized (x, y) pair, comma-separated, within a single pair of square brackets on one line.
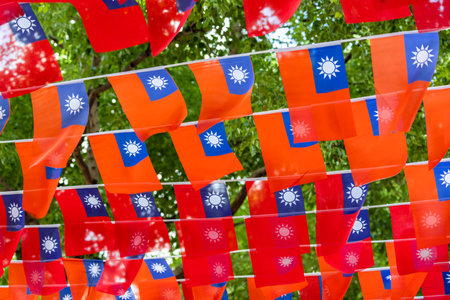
[(240, 198), (5, 184), (82, 165)]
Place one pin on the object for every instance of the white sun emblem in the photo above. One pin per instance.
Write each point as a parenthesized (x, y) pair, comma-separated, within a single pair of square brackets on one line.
[(384, 114), (92, 201), (74, 104), (356, 193), (215, 199), (143, 202), (158, 268), (359, 226), (67, 297), (300, 129), (168, 294), (238, 74), (24, 23), (94, 270), (157, 82), (132, 148), (422, 56), (15, 212), (2, 113), (328, 67), (289, 197), (219, 270), (425, 254), (284, 231), (36, 277), (49, 244), (213, 139), (352, 259), (447, 277), (445, 178), (213, 235), (126, 296), (137, 240), (431, 220), (285, 261)]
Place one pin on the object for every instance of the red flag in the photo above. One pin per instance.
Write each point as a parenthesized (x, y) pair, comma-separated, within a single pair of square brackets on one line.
[(27, 61), (437, 285), (124, 164), (358, 11), (18, 288), (266, 16), (206, 156), (287, 163), (226, 85), (373, 156), (206, 270), (437, 116), (334, 283), (376, 284), (8, 11), (313, 291), (165, 20), (118, 274), (64, 294), (403, 67), (272, 292), (205, 292), (318, 97), (151, 100), (431, 15)]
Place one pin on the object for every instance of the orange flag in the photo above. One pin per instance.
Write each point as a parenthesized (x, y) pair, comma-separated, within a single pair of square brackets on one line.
[(18, 288), (272, 292), (334, 283)]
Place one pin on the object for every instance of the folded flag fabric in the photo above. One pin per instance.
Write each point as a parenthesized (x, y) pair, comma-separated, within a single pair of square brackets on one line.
[(334, 283), (272, 292), (205, 270), (313, 290), (262, 17), (373, 156), (357, 11), (4, 112), (431, 15), (27, 61), (17, 281), (287, 163), (123, 162), (226, 85), (118, 274), (318, 97), (205, 292), (151, 100), (206, 156), (403, 67)]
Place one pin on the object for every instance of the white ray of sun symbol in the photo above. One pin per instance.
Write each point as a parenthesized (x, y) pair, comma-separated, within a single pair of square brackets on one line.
[(94, 270), (422, 56), (132, 148), (67, 297), (126, 296), (284, 231), (213, 235), (285, 261), (447, 277), (328, 67), (300, 129), (352, 258), (215, 199), (213, 139), (445, 178), (389, 277), (2, 113), (74, 104), (425, 254), (158, 268), (359, 226), (49, 244), (36, 277), (219, 270), (15, 212), (168, 294), (356, 193), (157, 82), (384, 114), (431, 220), (289, 197), (24, 23), (143, 202), (137, 240), (92, 201), (238, 74)]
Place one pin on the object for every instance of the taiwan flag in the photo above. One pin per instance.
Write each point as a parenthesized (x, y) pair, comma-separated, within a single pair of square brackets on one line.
[(27, 61), (165, 20), (8, 11), (206, 156), (123, 162), (17, 282), (436, 285), (334, 283), (205, 292), (204, 270), (429, 193), (12, 221), (338, 203), (287, 163), (226, 85), (42, 262), (87, 226), (437, 117), (263, 17), (376, 284), (373, 156), (359, 11), (403, 67), (274, 291), (318, 97), (431, 15), (64, 294), (155, 280), (151, 100), (4, 113)]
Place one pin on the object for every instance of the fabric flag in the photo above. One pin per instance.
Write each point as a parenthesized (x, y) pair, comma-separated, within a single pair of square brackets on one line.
[(319, 97), (165, 20), (42, 262), (287, 163), (64, 294), (205, 270), (205, 292), (151, 100), (313, 291), (334, 283), (206, 156), (277, 267), (376, 284), (429, 193), (123, 162), (17, 280), (27, 61), (4, 113), (338, 203), (226, 85), (132, 214), (281, 213), (272, 292), (431, 15), (156, 281), (436, 285), (87, 226), (358, 11), (403, 67), (409, 257), (266, 16), (8, 11), (373, 156), (12, 221), (437, 116)]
